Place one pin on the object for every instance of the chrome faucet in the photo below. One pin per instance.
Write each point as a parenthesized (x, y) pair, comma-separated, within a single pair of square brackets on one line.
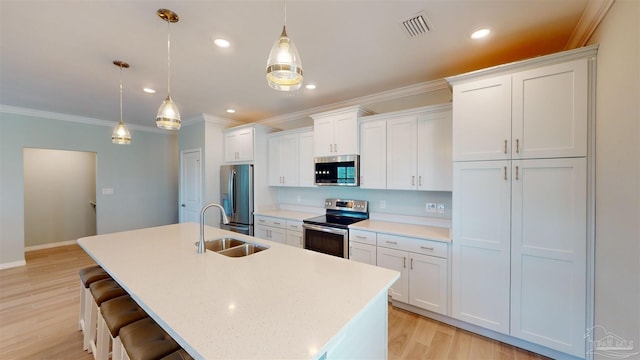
[(225, 220)]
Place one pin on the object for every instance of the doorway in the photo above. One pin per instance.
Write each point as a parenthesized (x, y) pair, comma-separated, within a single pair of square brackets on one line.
[(59, 197), (190, 186)]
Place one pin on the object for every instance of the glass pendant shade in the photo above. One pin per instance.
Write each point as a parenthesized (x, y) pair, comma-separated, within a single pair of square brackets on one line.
[(121, 134), (168, 117), (284, 66)]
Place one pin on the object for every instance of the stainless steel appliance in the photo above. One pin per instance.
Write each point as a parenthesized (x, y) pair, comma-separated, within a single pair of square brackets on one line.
[(236, 197), (329, 233), (341, 170)]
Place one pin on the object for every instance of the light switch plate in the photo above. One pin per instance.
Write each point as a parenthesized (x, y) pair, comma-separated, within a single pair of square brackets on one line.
[(107, 191), (440, 208)]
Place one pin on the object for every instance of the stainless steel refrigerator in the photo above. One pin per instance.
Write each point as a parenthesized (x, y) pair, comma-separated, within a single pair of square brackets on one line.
[(236, 196)]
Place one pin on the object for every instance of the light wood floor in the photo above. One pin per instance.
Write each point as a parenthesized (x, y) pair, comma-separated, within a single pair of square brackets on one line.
[(39, 306)]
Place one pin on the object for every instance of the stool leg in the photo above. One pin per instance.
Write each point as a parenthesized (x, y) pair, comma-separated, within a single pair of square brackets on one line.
[(90, 335), (102, 340), (86, 322), (81, 315), (124, 354), (117, 349)]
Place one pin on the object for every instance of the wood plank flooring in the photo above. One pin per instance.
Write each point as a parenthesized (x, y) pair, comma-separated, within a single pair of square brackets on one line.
[(39, 306)]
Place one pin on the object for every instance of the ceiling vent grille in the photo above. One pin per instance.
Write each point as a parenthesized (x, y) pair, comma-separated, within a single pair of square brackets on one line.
[(416, 25)]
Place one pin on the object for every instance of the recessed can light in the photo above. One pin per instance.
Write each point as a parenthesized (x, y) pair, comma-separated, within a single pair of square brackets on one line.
[(480, 33), (149, 90), (231, 111), (310, 87), (220, 42)]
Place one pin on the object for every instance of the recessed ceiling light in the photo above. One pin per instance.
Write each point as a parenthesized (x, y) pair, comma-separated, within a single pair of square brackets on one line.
[(149, 90), (310, 87), (231, 111), (220, 42), (481, 33)]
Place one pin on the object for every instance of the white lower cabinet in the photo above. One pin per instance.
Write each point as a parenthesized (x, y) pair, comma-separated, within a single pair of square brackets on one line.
[(269, 228), (362, 246), (423, 268), (294, 233)]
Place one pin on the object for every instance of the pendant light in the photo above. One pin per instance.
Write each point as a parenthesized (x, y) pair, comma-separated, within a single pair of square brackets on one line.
[(121, 134), (284, 66), (168, 117)]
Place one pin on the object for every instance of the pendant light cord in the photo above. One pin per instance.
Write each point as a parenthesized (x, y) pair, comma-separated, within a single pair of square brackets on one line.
[(168, 58), (121, 121)]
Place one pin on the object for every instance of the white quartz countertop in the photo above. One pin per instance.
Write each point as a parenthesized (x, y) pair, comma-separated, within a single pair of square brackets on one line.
[(281, 303), (287, 214), (401, 229)]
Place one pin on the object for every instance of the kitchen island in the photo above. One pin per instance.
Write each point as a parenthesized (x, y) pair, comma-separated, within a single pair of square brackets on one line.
[(283, 302)]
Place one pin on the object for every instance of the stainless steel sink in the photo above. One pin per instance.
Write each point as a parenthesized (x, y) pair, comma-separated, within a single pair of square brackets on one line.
[(233, 247)]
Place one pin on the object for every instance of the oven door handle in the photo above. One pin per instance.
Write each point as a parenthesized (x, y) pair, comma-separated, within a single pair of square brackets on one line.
[(325, 229)]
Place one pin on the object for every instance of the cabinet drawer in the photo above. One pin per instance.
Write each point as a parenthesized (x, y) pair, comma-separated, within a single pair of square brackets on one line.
[(294, 225), (420, 246), (365, 237), (270, 221)]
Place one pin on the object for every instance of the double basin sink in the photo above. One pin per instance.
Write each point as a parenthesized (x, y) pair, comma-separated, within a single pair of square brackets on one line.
[(233, 247)]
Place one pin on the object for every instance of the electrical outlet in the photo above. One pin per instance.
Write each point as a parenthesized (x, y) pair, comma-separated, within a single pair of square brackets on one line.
[(440, 208), (431, 207), (383, 204)]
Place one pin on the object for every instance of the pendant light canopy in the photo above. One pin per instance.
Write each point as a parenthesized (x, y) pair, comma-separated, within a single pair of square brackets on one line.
[(168, 117), (121, 134), (284, 66)]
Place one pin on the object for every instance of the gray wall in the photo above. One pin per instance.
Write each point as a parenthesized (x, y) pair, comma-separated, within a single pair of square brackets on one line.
[(143, 175), (617, 282), (59, 186)]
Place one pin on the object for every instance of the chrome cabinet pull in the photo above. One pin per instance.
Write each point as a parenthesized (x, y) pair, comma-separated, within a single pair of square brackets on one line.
[(420, 180), (404, 262), (330, 148), (335, 147), (426, 248), (505, 173), (391, 242), (361, 237), (411, 266), (505, 146), (413, 180), (517, 173), (517, 146)]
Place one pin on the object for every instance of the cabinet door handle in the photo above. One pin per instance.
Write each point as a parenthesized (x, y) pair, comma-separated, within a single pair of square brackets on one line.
[(413, 180), (361, 237), (411, 266), (404, 262), (517, 173), (505, 146), (335, 147), (420, 180), (505, 173), (330, 148), (517, 146), (391, 242), (426, 248)]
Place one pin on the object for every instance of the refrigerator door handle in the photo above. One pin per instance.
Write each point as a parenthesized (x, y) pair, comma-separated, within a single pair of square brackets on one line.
[(232, 192)]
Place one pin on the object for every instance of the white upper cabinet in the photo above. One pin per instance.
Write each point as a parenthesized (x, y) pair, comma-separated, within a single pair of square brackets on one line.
[(434, 151), (511, 116), (336, 132), (373, 154), (402, 153), (291, 159), (238, 144)]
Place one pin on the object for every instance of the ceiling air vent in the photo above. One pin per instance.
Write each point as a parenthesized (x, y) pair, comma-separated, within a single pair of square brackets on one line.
[(416, 25)]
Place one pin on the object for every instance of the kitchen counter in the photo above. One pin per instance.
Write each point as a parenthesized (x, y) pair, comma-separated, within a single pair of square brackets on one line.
[(401, 229), (288, 214), (282, 302)]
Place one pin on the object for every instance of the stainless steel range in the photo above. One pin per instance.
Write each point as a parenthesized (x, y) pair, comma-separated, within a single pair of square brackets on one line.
[(329, 233)]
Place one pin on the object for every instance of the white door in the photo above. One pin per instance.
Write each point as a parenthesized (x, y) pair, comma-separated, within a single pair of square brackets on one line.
[(396, 260), (482, 119), (373, 154), (548, 251), (481, 259), (190, 186), (402, 153)]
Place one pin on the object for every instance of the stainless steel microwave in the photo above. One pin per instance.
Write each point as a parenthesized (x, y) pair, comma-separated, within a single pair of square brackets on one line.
[(341, 170)]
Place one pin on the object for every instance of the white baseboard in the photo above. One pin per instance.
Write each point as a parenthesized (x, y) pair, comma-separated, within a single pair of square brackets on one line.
[(12, 264), (50, 245)]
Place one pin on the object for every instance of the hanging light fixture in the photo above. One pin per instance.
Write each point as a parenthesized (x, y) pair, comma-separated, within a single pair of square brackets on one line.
[(121, 134), (168, 117), (284, 66)]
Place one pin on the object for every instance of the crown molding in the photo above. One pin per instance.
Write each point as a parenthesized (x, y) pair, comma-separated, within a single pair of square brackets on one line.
[(591, 17), (394, 94), (76, 119), (212, 119)]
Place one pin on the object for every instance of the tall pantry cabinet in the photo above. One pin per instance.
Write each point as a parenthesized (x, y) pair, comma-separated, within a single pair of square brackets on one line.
[(520, 198)]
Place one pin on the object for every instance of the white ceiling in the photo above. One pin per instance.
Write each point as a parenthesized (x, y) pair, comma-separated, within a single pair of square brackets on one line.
[(56, 56)]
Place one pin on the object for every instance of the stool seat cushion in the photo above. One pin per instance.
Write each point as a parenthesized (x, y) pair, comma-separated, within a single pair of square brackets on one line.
[(92, 274), (105, 289), (178, 355), (146, 340), (119, 312)]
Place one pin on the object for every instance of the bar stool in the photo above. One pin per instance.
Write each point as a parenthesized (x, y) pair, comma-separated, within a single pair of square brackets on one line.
[(146, 340), (88, 276), (113, 315), (178, 355), (101, 291)]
